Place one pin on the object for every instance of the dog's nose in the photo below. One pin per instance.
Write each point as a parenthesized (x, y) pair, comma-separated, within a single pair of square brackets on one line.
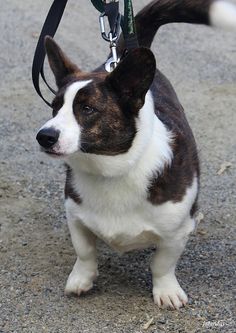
[(47, 137)]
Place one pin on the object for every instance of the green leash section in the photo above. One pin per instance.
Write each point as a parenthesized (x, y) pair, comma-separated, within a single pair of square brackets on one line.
[(129, 22), (129, 29)]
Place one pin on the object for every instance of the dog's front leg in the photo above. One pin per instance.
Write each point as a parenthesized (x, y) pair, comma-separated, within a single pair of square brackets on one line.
[(85, 268), (166, 289)]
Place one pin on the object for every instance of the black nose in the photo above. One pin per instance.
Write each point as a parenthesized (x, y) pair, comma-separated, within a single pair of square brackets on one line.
[(47, 137)]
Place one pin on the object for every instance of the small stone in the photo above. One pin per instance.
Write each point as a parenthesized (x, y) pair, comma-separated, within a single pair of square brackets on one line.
[(35, 34), (202, 232), (199, 218), (148, 324), (224, 167)]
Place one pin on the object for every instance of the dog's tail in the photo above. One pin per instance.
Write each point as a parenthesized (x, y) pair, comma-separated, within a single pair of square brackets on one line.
[(217, 13)]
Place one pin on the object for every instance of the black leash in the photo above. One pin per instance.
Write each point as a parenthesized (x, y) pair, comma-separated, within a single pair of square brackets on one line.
[(49, 28), (109, 9)]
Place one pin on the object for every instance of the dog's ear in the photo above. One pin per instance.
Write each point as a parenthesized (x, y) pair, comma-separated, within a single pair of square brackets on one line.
[(60, 64), (133, 76)]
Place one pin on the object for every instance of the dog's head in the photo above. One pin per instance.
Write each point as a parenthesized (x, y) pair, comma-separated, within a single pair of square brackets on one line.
[(95, 113)]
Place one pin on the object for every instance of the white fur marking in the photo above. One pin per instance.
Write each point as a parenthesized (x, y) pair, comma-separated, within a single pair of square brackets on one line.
[(85, 269), (66, 123), (223, 15)]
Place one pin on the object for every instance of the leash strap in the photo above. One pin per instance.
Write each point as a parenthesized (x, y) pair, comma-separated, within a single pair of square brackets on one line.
[(111, 10), (49, 28)]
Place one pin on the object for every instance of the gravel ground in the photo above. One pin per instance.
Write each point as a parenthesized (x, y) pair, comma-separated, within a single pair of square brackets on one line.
[(36, 251)]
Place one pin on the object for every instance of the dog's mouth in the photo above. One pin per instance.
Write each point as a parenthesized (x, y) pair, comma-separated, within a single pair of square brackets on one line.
[(52, 153)]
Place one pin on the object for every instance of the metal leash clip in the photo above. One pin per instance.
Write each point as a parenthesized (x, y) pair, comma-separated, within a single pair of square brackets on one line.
[(111, 37), (112, 62)]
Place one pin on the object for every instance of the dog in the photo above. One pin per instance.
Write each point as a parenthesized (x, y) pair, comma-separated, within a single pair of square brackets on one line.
[(132, 163)]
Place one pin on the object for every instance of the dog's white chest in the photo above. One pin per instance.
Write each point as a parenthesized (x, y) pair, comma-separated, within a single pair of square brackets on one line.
[(115, 211), (119, 213)]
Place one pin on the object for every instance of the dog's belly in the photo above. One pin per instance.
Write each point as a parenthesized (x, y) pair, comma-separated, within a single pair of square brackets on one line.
[(124, 242), (123, 232)]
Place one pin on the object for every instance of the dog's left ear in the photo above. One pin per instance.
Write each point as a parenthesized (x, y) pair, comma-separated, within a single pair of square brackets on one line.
[(60, 64), (133, 76)]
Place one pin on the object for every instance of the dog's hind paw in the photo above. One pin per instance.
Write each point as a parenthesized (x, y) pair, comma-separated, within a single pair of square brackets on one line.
[(169, 294)]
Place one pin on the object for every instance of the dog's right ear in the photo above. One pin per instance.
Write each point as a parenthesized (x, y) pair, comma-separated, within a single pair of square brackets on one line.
[(60, 64), (133, 76)]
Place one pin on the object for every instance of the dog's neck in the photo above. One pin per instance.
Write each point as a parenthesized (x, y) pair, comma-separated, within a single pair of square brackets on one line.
[(149, 153)]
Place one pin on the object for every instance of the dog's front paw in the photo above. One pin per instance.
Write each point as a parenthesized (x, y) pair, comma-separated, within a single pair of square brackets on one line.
[(80, 280), (167, 293)]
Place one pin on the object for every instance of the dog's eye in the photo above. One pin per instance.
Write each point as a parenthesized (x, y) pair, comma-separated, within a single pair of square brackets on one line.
[(88, 110)]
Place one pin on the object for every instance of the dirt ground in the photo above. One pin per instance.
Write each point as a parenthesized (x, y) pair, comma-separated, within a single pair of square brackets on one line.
[(36, 251)]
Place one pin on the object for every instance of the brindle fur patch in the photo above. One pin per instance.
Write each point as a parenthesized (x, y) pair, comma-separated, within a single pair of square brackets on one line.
[(69, 190)]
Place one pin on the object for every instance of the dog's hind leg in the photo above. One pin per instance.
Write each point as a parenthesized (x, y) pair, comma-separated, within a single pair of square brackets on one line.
[(167, 292), (84, 241)]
